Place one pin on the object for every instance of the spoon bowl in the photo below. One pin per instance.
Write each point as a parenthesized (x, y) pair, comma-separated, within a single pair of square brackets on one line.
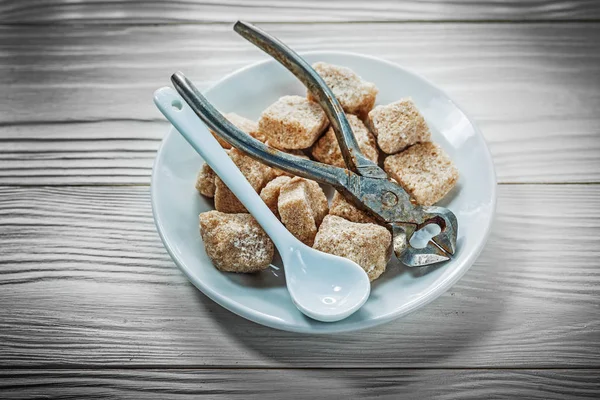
[(330, 288)]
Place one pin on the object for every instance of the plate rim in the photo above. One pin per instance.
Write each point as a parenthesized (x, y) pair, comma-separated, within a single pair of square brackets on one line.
[(329, 328)]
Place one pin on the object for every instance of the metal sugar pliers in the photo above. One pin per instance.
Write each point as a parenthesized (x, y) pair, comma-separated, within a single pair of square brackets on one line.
[(364, 183)]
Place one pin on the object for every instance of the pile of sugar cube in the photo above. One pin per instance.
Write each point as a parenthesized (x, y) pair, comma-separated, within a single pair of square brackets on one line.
[(395, 135)]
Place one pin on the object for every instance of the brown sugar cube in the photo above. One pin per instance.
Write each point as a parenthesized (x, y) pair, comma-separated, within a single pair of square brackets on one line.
[(205, 182), (235, 242), (354, 94), (270, 193), (398, 125), (292, 123), (244, 124), (302, 206), (368, 245), (255, 172), (327, 150), (424, 170), (343, 208)]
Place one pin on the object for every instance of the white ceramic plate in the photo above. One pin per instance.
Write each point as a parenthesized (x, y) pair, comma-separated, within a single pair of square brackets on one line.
[(263, 298)]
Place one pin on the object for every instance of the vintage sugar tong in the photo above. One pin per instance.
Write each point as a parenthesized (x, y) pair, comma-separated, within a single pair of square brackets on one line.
[(364, 183)]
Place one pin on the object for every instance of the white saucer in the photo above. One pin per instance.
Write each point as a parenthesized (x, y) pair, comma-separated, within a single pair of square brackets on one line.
[(263, 298)]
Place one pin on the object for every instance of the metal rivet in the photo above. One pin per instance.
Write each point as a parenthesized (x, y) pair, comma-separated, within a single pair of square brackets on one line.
[(389, 199)]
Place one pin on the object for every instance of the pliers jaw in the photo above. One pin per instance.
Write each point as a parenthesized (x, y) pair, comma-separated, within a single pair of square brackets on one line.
[(446, 220), (439, 249), (390, 204)]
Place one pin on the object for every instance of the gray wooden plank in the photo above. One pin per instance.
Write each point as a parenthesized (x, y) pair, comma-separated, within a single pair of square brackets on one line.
[(114, 152), (532, 88), (302, 384), (146, 11), (85, 281)]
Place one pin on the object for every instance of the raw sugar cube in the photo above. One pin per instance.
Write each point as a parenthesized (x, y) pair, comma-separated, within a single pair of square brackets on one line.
[(343, 208), (398, 125), (205, 182), (424, 170), (302, 206), (292, 123), (255, 172), (270, 193), (354, 94), (235, 242), (368, 245)]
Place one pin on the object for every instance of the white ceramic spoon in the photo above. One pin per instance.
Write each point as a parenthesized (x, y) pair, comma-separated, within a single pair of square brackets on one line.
[(325, 287)]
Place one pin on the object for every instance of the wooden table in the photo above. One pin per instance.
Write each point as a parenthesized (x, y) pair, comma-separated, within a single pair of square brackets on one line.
[(91, 304)]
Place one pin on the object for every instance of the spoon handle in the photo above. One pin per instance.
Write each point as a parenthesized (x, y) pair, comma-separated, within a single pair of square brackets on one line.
[(179, 113)]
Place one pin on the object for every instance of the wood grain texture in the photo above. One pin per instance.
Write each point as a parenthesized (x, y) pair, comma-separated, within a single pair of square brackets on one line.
[(534, 90), (302, 384), (92, 306), (85, 281), (109, 153), (146, 11)]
